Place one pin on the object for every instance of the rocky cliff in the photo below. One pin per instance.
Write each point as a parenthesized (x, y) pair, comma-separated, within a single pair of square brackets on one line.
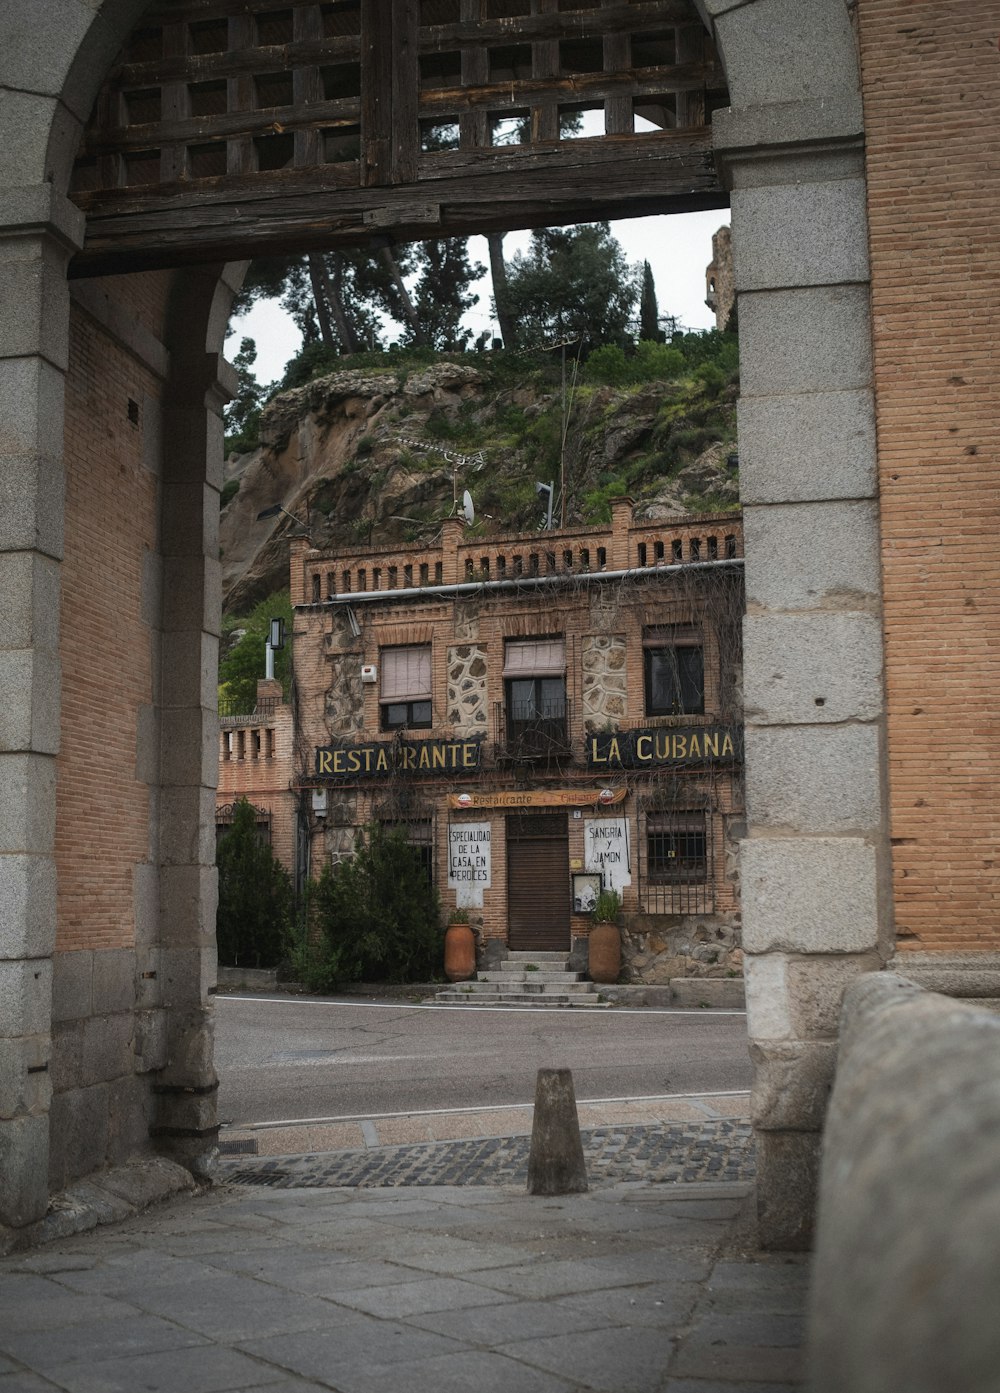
[(383, 454)]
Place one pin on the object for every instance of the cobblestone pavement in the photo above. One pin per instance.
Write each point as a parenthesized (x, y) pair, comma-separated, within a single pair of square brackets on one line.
[(659, 1153)]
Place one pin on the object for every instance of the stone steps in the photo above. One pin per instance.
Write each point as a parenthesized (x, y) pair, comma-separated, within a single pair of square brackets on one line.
[(524, 979)]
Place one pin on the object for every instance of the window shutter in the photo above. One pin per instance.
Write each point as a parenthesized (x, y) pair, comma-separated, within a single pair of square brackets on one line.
[(405, 674), (535, 658)]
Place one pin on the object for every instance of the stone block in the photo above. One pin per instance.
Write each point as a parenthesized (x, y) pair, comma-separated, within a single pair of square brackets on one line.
[(146, 902), (809, 340), (150, 1041), (787, 1182), (188, 902), (809, 895), (190, 669), (791, 1084), (29, 700), (147, 977), (807, 447), (114, 980), (190, 747), (25, 996), (818, 780), (151, 588), (34, 300), (812, 555), (67, 1055), (131, 1111), (72, 985), (192, 1040), (192, 594), (27, 914), (24, 1164), (800, 998), (27, 806), (147, 745), (185, 1113), (784, 51), (190, 525), (31, 502), (810, 669), (188, 975), (769, 1015), (29, 583), (187, 826), (31, 420), (79, 1129), (25, 1076), (800, 234), (107, 1049)]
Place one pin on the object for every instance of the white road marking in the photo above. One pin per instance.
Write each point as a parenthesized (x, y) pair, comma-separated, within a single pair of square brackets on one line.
[(495, 1107), (706, 1013)]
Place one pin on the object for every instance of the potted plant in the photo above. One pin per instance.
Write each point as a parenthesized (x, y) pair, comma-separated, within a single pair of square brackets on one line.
[(459, 947), (605, 942)]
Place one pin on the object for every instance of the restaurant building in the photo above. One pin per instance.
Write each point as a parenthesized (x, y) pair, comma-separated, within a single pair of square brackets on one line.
[(543, 715)]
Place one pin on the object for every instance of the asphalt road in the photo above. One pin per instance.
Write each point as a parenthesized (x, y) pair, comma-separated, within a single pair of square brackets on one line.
[(293, 1058)]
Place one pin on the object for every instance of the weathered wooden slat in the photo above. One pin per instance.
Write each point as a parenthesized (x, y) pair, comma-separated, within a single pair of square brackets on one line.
[(691, 44), (617, 58), (473, 126), (481, 192), (376, 92), (173, 105), (405, 90), (577, 87), (645, 17), (544, 67), (307, 86), (270, 58), (344, 111), (239, 99)]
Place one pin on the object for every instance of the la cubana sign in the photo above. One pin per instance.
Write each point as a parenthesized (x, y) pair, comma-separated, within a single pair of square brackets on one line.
[(383, 757), (662, 746)]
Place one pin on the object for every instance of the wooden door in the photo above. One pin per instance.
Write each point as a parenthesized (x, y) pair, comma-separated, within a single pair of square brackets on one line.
[(538, 892)]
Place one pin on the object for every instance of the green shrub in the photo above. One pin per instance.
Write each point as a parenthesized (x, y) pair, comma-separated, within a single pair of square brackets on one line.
[(229, 491), (254, 919), (376, 917)]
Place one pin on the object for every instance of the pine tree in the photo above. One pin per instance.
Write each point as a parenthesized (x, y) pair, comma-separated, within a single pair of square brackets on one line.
[(649, 312), (254, 918), (441, 295), (572, 283)]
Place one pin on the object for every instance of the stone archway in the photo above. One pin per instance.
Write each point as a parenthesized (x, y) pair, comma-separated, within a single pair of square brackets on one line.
[(814, 864)]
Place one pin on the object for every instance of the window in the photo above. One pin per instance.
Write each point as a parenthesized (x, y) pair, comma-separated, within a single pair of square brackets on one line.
[(674, 671), (405, 693), (676, 848), (419, 833), (535, 685)]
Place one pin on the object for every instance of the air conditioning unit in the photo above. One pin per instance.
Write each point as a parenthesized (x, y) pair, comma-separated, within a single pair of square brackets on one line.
[(319, 802), (369, 673)]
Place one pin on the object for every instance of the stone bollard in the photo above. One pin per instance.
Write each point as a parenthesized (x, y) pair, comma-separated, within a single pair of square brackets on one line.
[(555, 1162)]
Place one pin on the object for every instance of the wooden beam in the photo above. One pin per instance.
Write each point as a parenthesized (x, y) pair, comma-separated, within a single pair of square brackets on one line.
[(551, 24), (473, 126), (405, 90), (376, 92), (474, 191)]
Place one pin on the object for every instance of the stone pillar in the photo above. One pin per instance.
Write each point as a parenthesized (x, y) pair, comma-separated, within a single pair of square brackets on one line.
[(816, 909), (186, 1123), (39, 231)]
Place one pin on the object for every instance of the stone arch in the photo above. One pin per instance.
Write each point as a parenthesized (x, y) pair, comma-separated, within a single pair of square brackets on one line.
[(814, 863)]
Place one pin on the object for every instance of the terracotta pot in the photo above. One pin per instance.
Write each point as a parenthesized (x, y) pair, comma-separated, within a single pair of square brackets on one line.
[(604, 953), (459, 953)]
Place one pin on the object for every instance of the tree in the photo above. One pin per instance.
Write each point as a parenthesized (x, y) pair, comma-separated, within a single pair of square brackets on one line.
[(649, 311), (501, 307), (242, 415), (441, 294), (256, 902), (378, 915), (572, 283), (243, 665)]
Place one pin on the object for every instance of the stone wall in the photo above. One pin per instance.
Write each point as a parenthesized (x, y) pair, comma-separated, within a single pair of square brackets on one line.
[(905, 1282), (467, 711), (605, 681)]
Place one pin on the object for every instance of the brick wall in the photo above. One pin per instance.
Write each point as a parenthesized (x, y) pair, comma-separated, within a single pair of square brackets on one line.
[(102, 821), (256, 762), (932, 113)]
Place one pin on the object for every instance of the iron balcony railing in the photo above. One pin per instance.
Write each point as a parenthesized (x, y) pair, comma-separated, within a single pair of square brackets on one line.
[(532, 731)]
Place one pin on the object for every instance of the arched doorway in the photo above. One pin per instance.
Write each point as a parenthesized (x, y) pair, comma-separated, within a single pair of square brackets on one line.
[(161, 186)]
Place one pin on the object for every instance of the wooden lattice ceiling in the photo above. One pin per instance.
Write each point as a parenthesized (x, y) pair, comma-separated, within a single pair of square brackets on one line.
[(234, 128)]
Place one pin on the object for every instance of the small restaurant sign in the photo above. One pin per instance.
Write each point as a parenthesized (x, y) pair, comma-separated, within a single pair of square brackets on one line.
[(383, 757), (539, 798), (662, 746)]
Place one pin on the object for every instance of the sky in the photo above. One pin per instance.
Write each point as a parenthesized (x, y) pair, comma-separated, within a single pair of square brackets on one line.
[(678, 249)]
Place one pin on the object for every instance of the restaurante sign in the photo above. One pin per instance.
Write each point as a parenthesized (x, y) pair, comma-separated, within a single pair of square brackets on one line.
[(383, 757)]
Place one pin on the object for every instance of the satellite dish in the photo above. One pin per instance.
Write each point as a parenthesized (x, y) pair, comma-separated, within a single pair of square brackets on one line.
[(468, 510)]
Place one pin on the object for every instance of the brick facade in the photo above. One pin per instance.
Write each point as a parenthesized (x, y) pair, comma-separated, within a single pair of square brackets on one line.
[(932, 109), (522, 588), (256, 762)]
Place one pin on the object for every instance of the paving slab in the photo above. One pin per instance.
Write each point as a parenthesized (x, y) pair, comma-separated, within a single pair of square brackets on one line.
[(640, 1285)]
